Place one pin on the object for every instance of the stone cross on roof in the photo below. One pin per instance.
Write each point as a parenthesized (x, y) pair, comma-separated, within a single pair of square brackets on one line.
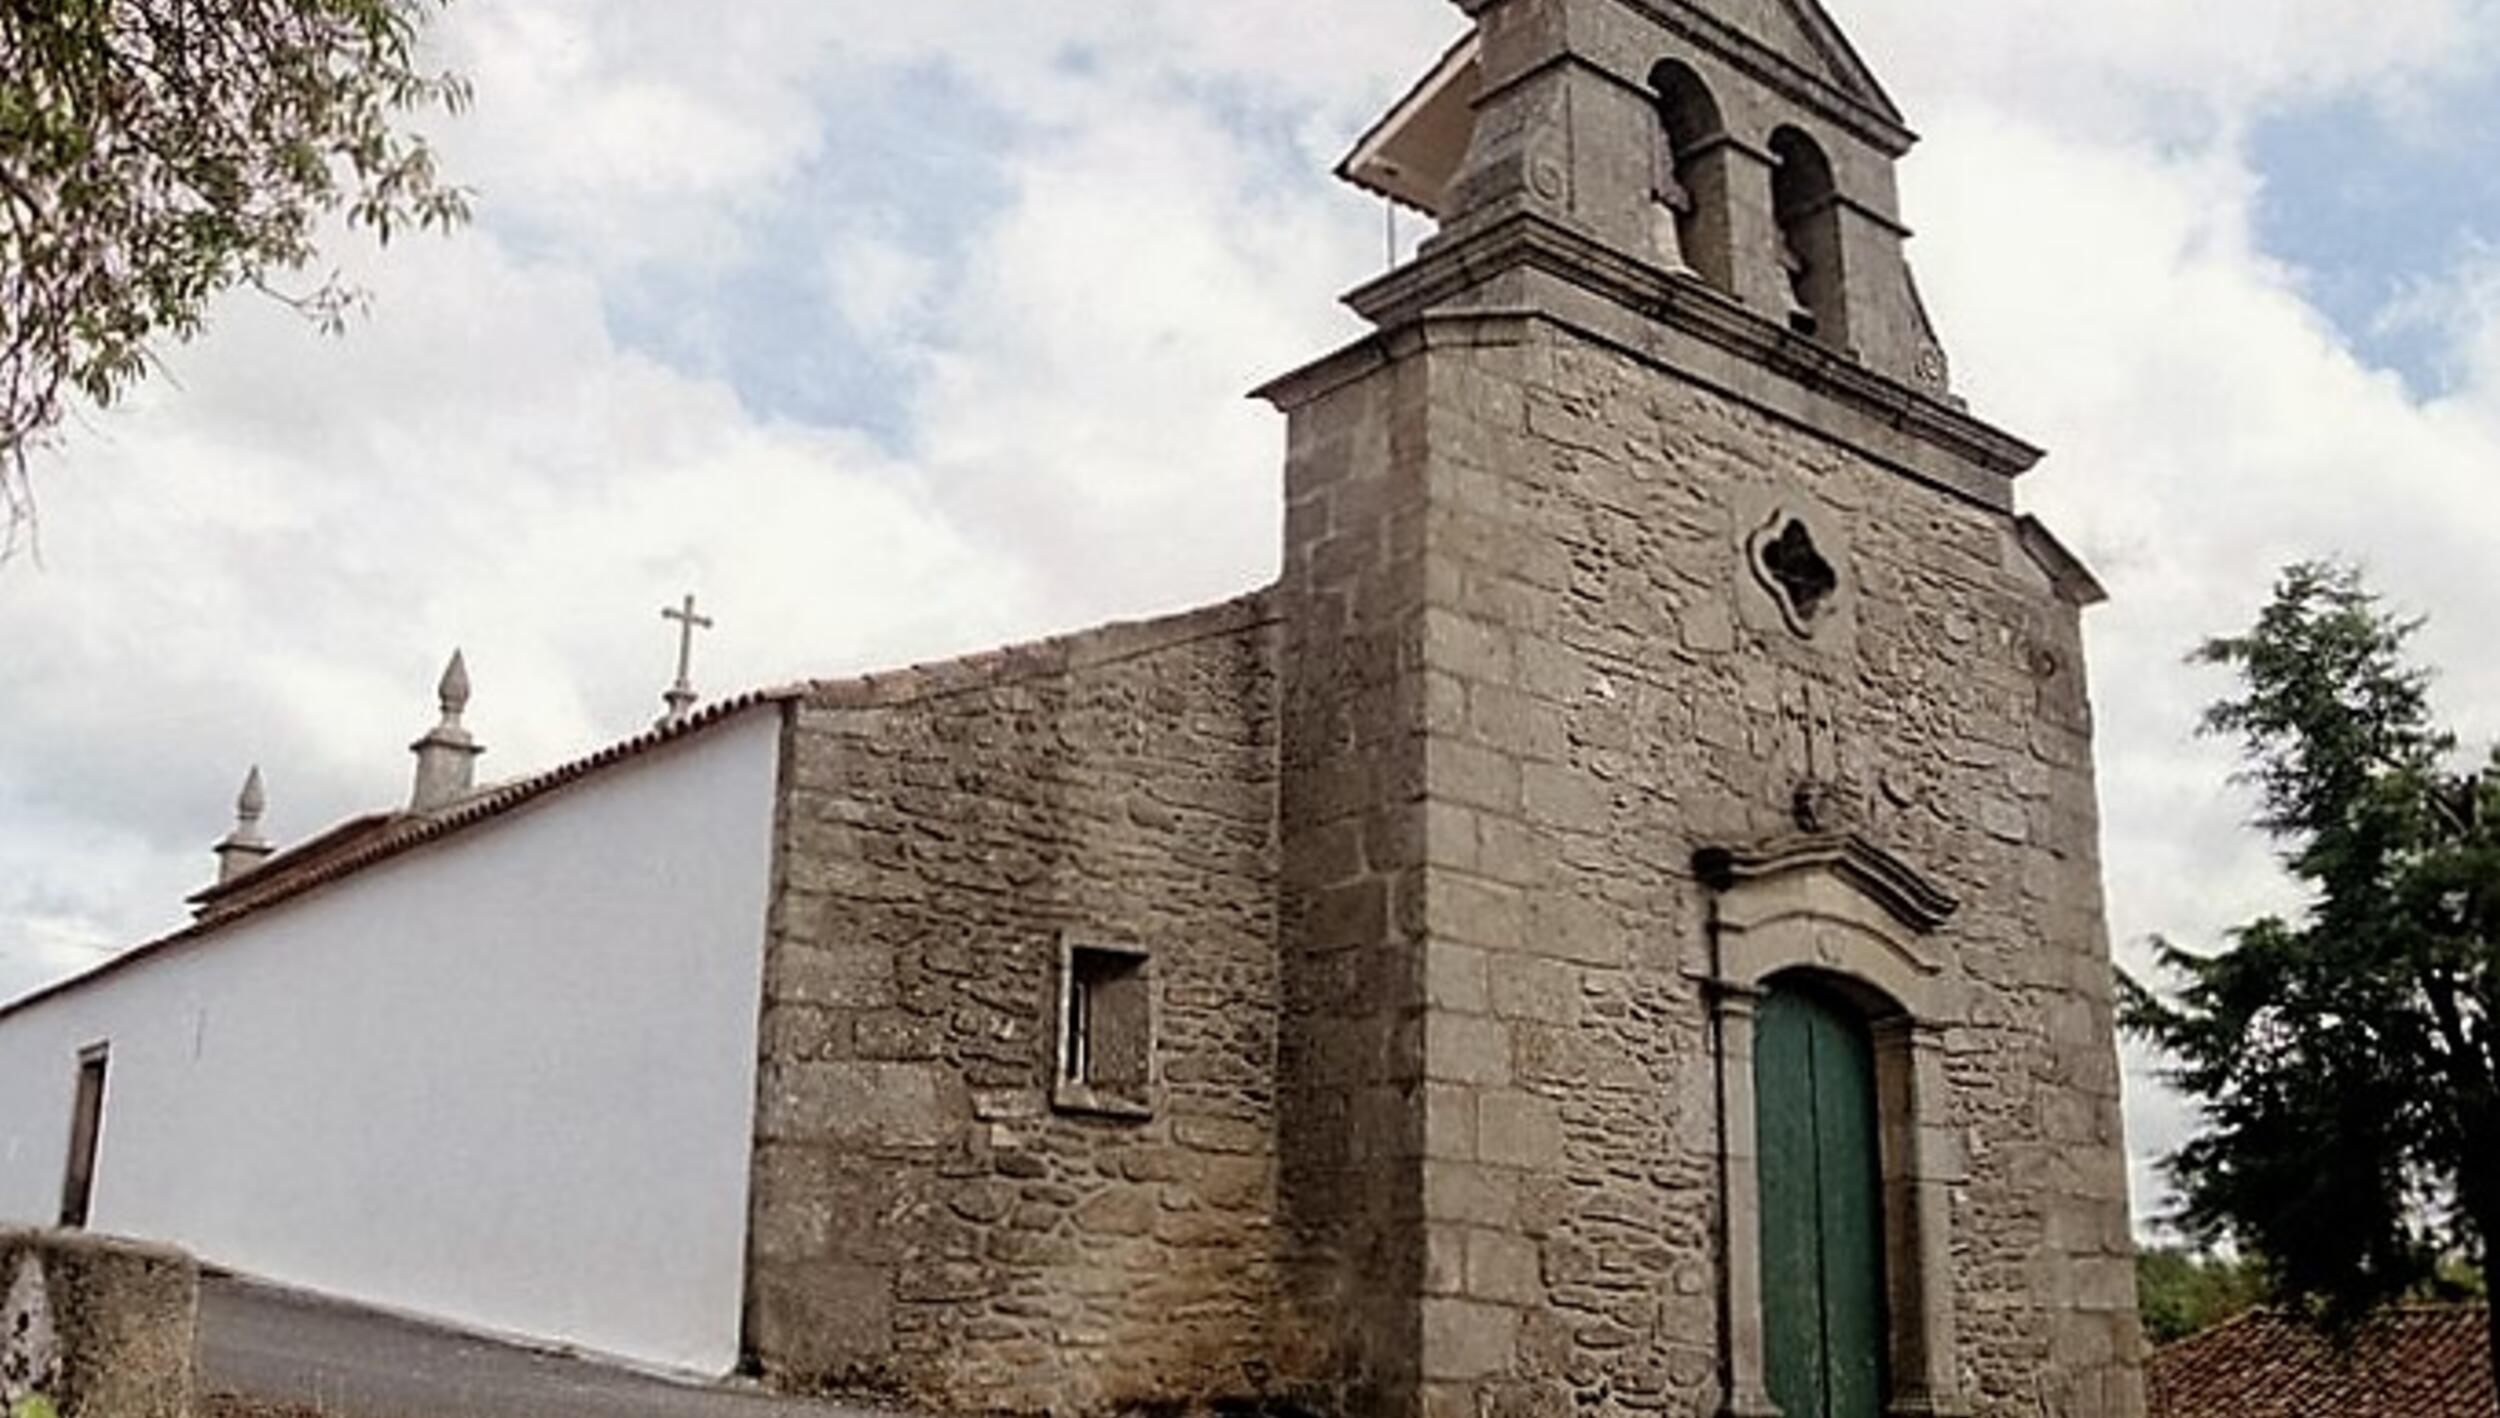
[(680, 697)]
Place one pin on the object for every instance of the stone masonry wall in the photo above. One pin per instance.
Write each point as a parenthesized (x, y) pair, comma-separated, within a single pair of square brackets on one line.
[(925, 1224), (1608, 688), (1600, 688), (92, 1327), (1411, 840)]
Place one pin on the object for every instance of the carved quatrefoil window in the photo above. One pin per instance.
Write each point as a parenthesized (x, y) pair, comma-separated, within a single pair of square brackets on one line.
[(1795, 571)]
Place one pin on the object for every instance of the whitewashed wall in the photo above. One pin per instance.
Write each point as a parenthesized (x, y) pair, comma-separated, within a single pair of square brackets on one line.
[(507, 1079)]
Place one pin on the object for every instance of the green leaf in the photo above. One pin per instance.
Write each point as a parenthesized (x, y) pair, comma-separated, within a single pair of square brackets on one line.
[(156, 153)]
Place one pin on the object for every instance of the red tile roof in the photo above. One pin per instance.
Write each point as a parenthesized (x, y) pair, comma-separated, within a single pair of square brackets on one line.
[(361, 842), (2425, 1361), (270, 878)]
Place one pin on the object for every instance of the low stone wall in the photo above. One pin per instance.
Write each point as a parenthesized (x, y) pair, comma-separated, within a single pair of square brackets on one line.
[(92, 1328)]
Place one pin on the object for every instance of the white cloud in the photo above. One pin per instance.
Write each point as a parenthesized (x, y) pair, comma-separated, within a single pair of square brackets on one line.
[(1090, 410), (2207, 426), (2153, 69), (881, 287), (2460, 310), (266, 557)]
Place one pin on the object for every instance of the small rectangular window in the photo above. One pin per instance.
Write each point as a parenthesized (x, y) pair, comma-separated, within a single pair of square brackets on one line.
[(1106, 1031), (86, 1132)]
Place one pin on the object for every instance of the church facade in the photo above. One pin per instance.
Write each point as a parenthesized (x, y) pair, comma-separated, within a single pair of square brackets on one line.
[(1616, 928)]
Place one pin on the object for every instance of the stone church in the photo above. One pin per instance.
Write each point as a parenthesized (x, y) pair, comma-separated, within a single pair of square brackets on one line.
[(1616, 928)]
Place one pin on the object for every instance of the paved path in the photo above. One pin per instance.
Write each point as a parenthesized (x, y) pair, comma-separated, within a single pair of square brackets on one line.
[(281, 1347)]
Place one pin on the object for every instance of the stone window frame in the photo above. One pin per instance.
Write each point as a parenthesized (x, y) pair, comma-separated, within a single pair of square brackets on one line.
[(86, 1134), (1845, 912), (1071, 1091), (1804, 616), (1762, 514)]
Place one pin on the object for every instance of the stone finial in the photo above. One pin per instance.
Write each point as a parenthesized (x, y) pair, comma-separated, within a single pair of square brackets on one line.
[(447, 756), (453, 689), (246, 846)]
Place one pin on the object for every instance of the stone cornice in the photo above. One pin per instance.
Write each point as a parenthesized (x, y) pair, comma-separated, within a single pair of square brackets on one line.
[(1885, 879), (1853, 206), (1057, 656), (2074, 581), (1434, 330), (1495, 244)]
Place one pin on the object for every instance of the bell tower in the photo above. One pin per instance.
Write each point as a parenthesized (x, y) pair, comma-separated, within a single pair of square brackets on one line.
[(1697, 994), (1749, 151)]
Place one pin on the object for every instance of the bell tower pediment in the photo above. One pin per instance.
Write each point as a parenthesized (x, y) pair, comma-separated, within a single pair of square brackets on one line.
[(1725, 167), (1415, 151), (1799, 35)]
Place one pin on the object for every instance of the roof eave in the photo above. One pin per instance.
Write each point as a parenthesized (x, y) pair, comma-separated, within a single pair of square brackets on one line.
[(406, 832), (1385, 161)]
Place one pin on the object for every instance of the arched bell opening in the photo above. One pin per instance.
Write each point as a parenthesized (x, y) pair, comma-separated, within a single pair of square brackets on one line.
[(1805, 206), (1689, 189)]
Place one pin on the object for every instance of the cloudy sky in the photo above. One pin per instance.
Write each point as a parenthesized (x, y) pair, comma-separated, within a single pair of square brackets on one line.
[(900, 330)]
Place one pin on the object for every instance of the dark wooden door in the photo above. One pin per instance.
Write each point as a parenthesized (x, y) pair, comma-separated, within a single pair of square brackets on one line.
[(1822, 1240)]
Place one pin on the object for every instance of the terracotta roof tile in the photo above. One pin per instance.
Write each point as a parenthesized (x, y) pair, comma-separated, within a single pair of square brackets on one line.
[(364, 841), (271, 876), (2428, 1361), (361, 842)]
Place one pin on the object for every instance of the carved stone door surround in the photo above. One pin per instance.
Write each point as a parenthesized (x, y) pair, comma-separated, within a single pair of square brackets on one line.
[(1854, 916)]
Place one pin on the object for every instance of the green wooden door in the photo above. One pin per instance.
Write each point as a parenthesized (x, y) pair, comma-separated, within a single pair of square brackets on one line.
[(1822, 1238)]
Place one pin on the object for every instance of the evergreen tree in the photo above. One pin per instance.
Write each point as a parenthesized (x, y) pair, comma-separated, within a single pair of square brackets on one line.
[(2346, 1061)]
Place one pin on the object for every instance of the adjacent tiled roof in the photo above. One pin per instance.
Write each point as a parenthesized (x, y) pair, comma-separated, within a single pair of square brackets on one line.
[(363, 841), (273, 876), (2427, 1361)]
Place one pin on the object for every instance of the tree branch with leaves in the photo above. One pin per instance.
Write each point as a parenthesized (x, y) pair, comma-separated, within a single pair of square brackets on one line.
[(2346, 1061), (155, 153)]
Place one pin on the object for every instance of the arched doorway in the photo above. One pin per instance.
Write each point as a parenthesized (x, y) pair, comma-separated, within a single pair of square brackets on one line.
[(1825, 1332), (1823, 941)]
